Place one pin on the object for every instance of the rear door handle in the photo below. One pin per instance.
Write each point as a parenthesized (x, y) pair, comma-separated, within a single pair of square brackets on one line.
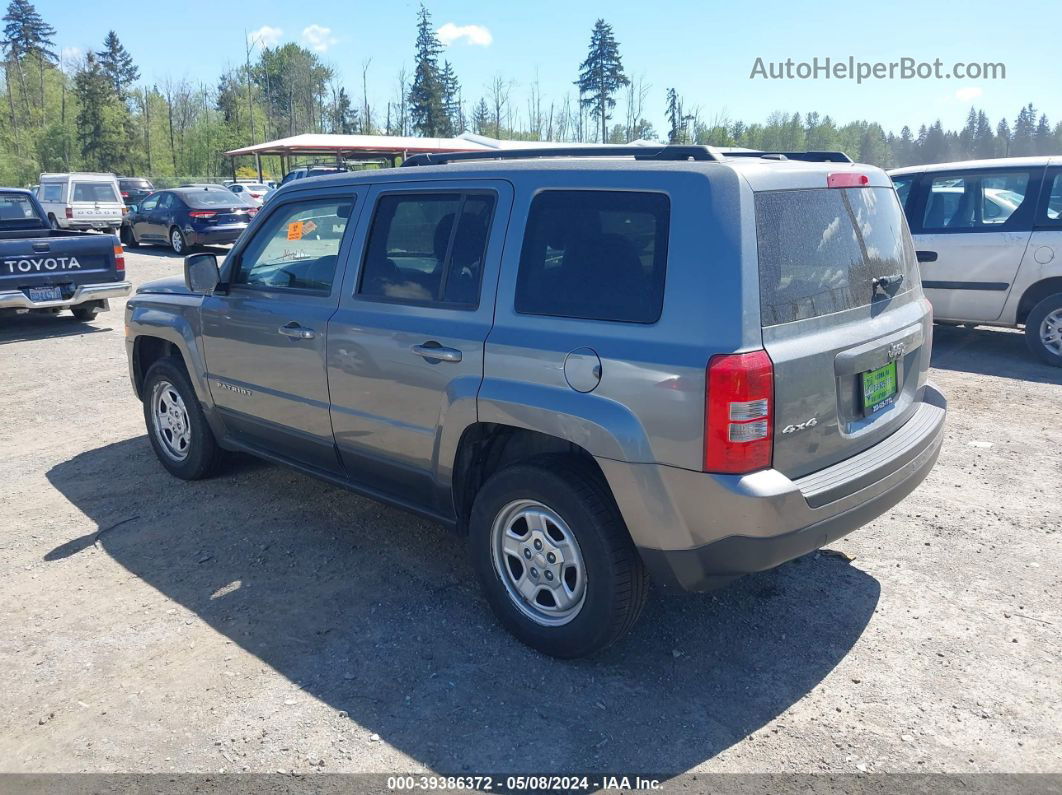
[(437, 352), (926, 256), (297, 332)]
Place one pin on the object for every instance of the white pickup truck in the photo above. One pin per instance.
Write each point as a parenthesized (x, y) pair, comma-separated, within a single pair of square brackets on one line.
[(82, 201)]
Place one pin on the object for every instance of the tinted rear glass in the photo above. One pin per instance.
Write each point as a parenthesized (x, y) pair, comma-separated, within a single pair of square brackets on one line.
[(17, 212), (95, 192), (819, 250), (599, 255), (212, 197)]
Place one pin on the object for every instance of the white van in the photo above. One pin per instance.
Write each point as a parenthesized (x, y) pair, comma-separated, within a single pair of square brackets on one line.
[(989, 237), (82, 201)]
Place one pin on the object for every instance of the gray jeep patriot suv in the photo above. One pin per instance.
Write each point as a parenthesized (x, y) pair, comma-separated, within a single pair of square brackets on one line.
[(598, 364)]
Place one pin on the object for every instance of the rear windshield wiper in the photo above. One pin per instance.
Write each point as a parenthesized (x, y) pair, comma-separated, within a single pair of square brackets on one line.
[(888, 285)]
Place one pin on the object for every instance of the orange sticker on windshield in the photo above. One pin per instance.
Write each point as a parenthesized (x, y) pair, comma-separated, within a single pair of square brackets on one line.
[(295, 230)]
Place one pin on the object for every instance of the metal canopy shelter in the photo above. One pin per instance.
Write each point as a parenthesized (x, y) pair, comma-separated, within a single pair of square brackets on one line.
[(357, 147)]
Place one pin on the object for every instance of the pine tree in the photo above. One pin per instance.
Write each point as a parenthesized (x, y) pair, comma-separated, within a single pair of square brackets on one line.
[(426, 96), (1003, 138), (1043, 142), (676, 119), (1022, 142), (27, 37), (601, 76), (481, 118), (344, 115), (118, 65), (451, 89), (101, 121)]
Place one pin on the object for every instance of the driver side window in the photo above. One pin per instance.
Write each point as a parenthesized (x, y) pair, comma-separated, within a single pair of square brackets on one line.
[(297, 247), (149, 204)]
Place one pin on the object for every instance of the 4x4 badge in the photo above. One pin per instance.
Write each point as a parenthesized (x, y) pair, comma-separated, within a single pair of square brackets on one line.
[(800, 426)]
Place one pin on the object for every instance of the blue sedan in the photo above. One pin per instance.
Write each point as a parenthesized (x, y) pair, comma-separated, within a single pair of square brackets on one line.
[(183, 218)]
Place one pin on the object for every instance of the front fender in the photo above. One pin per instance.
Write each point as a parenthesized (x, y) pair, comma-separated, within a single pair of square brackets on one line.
[(174, 319), (601, 426)]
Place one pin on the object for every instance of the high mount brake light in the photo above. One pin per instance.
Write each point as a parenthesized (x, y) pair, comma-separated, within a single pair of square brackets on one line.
[(847, 179), (739, 413)]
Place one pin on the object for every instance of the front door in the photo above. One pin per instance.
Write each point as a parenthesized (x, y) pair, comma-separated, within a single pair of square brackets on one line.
[(265, 339), (405, 349), (975, 227)]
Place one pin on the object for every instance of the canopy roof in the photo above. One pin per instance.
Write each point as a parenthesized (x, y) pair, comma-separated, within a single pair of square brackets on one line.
[(357, 145)]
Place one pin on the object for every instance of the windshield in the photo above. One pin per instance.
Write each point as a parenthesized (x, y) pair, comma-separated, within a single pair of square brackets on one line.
[(95, 192), (17, 212), (819, 250)]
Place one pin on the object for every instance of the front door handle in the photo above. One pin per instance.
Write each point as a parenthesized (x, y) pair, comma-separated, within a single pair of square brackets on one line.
[(436, 352), (297, 332), (926, 256)]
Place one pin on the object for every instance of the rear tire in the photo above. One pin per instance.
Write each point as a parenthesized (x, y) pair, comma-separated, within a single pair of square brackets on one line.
[(178, 243), (176, 425), (1043, 330), (570, 516), (85, 312)]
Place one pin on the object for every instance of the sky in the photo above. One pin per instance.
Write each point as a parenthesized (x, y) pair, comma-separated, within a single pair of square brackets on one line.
[(705, 49)]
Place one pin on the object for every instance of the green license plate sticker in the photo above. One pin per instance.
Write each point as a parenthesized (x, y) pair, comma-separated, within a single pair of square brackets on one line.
[(879, 388)]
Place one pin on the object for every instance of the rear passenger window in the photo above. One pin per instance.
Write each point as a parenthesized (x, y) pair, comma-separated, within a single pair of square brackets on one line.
[(52, 193), (597, 255), (975, 201), (297, 246), (1053, 207), (427, 248)]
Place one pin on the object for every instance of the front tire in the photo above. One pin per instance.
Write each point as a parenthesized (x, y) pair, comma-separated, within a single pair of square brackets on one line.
[(1043, 330), (554, 557), (176, 425), (177, 241)]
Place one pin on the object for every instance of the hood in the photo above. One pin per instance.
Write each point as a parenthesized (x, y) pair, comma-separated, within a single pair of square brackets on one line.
[(172, 285)]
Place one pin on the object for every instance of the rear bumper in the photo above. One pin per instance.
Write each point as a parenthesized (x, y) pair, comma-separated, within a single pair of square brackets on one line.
[(217, 237), (16, 299), (96, 223), (698, 531)]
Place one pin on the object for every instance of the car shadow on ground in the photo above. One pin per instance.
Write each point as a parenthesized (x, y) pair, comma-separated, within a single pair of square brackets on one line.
[(989, 351), (31, 326), (376, 614)]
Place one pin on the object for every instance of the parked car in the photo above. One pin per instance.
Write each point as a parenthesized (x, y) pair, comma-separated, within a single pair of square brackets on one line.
[(82, 201), (679, 364), (46, 270), (183, 218), (255, 191), (134, 190), (989, 237), (310, 171)]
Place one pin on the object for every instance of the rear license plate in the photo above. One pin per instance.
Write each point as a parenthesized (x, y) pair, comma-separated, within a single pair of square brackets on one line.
[(879, 388), (45, 294)]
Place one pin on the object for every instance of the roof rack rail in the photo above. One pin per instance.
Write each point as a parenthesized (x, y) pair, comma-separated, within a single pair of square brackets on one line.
[(637, 152), (808, 157)]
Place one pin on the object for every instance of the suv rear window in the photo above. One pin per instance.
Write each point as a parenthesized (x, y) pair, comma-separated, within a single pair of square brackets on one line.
[(94, 192), (598, 255), (820, 249)]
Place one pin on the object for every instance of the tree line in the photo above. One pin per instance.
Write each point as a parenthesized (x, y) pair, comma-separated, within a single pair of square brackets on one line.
[(97, 114)]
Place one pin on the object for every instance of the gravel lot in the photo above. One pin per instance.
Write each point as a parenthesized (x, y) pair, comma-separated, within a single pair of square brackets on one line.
[(265, 621)]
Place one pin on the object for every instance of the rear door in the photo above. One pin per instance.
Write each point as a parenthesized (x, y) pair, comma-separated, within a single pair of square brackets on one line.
[(844, 320), (265, 339), (96, 201), (405, 349), (145, 219), (977, 225)]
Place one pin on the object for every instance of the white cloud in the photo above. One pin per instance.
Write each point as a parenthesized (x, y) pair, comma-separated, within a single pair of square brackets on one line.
[(318, 38), (267, 36), (968, 93), (477, 35)]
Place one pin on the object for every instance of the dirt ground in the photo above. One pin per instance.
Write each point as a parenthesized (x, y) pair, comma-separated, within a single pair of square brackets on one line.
[(265, 621)]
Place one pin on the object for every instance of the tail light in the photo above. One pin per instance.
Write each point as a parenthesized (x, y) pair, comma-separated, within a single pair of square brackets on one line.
[(119, 259), (253, 211), (125, 194), (202, 213), (739, 413), (69, 212)]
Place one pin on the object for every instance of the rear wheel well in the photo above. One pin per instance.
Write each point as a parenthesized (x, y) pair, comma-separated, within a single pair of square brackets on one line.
[(148, 350), (488, 447), (1037, 293)]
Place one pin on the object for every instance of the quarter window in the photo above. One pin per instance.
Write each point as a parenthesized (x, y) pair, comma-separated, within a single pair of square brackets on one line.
[(297, 247), (52, 193), (598, 255), (149, 204), (1053, 209), (427, 248), (976, 201)]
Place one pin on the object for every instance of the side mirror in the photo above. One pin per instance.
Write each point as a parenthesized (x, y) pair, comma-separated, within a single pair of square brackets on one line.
[(201, 273)]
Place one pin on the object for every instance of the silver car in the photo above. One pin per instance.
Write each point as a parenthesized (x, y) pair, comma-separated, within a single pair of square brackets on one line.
[(599, 366)]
